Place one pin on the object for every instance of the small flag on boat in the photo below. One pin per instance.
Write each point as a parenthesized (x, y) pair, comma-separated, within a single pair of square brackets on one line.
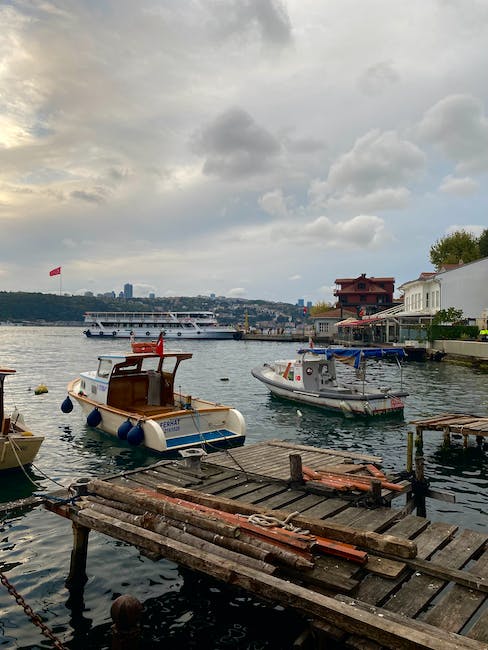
[(160, 345), (310, 342), (56, 271)]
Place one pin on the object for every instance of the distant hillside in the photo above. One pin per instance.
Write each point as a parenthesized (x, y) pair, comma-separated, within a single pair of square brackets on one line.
[(20, 307)]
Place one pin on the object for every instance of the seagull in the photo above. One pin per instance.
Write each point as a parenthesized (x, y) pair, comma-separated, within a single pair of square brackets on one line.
[(299, 413)]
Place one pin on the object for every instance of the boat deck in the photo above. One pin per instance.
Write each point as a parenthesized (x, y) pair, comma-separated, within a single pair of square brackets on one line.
[(424, 584)]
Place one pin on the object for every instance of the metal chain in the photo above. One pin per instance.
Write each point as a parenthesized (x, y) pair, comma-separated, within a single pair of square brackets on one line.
[(35, 618)]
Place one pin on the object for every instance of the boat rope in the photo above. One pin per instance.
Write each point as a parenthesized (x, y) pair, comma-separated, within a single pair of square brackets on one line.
[(208, 443), (21, 466), (35, 618), (267, 521)]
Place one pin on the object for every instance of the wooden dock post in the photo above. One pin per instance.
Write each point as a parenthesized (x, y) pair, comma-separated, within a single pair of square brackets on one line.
[(296, 470), (126, 612), (77, 577), (409, 451)]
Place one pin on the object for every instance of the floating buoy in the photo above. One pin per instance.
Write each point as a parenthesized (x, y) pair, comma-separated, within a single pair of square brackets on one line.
[(94, 418), (41, 389), (67, 405), (135, 435), (299, 413), (124, 429), (224, 379)]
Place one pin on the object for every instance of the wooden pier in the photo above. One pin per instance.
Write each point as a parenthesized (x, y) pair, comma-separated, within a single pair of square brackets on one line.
[(457, 425), (359, 571)]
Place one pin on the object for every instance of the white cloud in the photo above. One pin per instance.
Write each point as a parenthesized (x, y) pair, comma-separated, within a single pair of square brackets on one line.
[(274, 203), (475, 230), (458, 186)]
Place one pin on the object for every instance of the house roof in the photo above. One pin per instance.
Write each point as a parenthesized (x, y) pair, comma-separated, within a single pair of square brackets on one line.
[(335, 313)]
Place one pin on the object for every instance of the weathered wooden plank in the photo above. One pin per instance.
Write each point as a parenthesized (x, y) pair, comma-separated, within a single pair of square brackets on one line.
[(419, 591), (454, 609), (383, 566), (338, 453), (282, 500), (479, 631), (376, 519), (325, 508), (376, 589), (416, 626), (242, 490), (266, 490), (408, 527)]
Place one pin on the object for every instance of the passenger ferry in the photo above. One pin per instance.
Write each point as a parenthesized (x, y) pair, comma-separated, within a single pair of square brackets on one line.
[(149, 325)]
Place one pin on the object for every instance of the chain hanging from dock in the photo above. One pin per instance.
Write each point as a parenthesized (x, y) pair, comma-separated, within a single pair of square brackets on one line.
[(35, 618)]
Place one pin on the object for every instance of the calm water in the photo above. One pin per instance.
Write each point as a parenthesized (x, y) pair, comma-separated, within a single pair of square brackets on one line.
[(183, 609)]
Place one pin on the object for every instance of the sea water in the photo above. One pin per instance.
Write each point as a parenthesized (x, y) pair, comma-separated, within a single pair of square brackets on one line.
[(182, 608)]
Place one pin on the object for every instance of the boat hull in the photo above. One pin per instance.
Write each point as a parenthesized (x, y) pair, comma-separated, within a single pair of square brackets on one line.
[(150, 333), (205, 424), (17, 450), (335, 401)]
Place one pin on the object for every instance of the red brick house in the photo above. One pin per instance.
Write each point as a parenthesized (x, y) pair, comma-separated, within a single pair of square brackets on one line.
[(366, 295)]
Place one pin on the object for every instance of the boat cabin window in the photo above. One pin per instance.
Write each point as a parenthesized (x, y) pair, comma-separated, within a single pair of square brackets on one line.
[(104, 368)]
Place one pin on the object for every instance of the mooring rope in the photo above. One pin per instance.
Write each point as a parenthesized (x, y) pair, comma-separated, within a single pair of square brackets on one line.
[(267, 521)]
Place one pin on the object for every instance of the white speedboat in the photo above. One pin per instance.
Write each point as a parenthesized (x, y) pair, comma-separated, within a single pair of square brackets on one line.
[(312, 378), (148, 325), (18, 445), (132, 396)]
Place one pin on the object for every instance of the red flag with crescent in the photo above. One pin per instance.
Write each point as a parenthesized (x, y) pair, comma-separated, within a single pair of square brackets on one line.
[(56, 271), (160, 345)]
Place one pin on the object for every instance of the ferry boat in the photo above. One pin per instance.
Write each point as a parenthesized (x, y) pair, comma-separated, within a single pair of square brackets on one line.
[(132, 397), (149, 325)]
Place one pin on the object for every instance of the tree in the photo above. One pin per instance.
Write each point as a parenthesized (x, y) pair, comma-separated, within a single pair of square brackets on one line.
[(450, 315), (483, 243), (461, 246), (320, 308)]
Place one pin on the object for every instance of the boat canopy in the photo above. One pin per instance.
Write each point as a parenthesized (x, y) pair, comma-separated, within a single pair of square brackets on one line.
[(355, 355)]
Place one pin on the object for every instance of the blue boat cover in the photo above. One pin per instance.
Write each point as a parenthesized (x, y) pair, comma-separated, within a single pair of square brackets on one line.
[(355, 355)]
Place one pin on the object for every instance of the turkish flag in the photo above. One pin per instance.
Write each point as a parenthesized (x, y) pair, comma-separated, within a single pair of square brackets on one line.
[(56, 271), (160, 345)]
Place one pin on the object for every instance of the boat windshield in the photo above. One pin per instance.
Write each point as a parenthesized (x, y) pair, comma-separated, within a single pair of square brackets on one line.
[(105, 368)]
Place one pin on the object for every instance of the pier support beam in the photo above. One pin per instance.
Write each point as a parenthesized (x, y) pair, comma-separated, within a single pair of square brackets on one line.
[(77, 577)]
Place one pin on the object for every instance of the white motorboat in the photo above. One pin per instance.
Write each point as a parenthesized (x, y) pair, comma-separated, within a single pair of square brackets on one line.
[(18, 445), (312, 378), (131, 396), (148, 325)]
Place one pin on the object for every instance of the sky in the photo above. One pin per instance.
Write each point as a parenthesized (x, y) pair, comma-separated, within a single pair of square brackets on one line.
[(256, 149)]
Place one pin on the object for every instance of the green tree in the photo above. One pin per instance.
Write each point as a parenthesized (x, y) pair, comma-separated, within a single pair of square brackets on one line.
[(460, 246), (320, 308), (483, 243), (450, 315)]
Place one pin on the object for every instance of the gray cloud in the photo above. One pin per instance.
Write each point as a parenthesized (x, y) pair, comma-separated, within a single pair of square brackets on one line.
[(378, 77), (459, 127), (238, 17), (234, 145)]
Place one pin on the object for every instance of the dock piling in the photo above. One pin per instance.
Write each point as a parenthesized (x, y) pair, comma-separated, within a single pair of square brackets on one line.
[(126, 613)]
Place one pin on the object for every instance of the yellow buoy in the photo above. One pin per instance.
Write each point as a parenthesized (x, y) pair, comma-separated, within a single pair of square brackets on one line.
[(40, 389)]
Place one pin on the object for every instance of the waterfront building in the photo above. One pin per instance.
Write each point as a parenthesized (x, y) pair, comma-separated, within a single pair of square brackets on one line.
[(366, 295)]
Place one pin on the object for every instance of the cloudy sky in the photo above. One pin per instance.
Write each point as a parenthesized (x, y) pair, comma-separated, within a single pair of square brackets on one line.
[(248, 148)]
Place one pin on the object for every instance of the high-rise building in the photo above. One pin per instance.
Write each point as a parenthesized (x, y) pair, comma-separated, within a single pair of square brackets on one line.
[(128, 291)]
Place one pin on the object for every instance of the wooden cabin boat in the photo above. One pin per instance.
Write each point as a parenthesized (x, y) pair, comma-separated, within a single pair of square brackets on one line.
[(312, 379), (132, 396), (18, 445)]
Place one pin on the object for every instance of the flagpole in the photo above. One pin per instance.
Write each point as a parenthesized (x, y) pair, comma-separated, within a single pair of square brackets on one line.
[(60, 283)]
